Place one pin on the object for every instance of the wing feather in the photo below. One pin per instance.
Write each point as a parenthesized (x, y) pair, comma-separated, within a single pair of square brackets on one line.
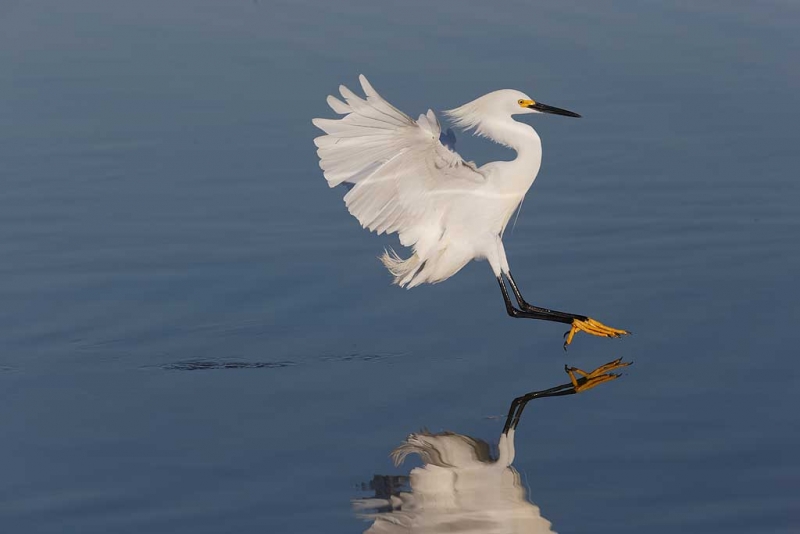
[(395, 164), (338, 106)]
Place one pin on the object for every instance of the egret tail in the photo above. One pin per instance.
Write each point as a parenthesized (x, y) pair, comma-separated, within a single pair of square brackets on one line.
[(402, 270)]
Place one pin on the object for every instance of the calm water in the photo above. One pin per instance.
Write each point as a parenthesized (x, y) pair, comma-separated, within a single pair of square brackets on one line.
[(197, 337)]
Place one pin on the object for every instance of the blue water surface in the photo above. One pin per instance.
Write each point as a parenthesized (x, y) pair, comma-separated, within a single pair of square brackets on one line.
[(197, 337)]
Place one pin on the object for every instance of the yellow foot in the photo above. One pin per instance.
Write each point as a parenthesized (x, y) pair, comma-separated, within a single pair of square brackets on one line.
[(590, 326), (596, 377)]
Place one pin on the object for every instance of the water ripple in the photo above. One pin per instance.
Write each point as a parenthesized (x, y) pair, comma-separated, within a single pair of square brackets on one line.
[(209, 365)]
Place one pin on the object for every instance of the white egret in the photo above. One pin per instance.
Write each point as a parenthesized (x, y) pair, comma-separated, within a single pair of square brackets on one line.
[(461, 487), (405, 177)]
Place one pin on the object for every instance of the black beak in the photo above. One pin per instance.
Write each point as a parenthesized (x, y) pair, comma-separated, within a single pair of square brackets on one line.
[(544, 108)]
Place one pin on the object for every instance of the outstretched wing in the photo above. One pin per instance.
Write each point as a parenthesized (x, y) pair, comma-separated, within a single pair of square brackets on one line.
[(399, 169)]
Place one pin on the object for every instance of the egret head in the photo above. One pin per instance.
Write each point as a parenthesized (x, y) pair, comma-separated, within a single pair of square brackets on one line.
[(500, 104), (528, 105)]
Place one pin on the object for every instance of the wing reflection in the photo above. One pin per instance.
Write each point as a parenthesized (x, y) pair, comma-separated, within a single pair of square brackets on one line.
[(462, 488)]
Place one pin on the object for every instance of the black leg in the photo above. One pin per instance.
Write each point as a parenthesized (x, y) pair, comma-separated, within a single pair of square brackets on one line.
[(533, 312), (578, 323), (583, 382), (518, 404), (530, 308)]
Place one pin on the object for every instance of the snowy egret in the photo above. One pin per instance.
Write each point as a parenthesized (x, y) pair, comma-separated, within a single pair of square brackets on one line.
[(462, 488), (405, 177)]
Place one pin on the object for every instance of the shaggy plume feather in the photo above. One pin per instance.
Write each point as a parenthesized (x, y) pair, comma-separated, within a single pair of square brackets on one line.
[(469, 116), (402, 270), (484, 115), (473, 116)]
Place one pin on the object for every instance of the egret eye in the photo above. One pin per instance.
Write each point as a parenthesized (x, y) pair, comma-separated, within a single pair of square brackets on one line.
[(520, 101)]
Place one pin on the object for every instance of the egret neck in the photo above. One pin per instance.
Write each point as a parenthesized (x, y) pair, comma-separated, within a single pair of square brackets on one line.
[(520, 172)]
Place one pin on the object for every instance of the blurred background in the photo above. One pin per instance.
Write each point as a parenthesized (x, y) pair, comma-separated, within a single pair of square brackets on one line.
[(197, 337)]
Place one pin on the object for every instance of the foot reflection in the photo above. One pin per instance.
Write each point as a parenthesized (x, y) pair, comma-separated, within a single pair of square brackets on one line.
[(462, 488)]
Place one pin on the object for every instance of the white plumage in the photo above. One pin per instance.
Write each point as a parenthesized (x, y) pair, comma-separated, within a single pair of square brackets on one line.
[(404, 179)]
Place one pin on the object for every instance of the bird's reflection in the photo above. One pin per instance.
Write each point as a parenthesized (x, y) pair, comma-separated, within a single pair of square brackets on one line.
[(462, 487)]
